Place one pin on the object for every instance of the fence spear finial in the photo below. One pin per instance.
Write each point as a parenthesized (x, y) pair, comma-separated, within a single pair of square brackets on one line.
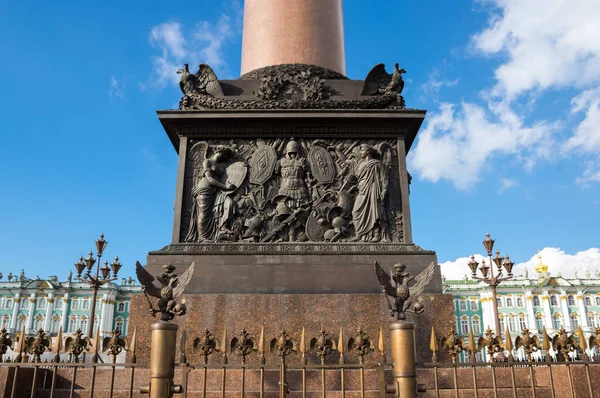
[(433, 345)]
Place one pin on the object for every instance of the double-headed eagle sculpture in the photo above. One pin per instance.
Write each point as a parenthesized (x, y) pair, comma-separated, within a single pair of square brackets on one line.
[(404, 296), (172, 286)]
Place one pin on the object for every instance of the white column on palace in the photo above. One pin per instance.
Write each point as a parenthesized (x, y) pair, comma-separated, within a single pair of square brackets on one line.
[(15, 314), (531, 325), (49, 308), (565, 310), (547, 310), (583, 320), (293, 32), (32, 301), (65, 312)]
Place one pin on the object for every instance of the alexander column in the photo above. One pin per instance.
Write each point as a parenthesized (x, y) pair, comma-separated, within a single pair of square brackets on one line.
[(291, 182)]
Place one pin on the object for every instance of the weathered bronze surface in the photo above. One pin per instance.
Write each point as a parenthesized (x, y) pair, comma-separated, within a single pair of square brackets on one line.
[(291, 87), (406, 298), (172, 286)]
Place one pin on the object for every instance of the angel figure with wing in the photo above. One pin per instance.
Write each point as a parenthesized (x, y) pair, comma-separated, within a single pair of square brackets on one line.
[(404, 296), (213, 208), (172, 286)]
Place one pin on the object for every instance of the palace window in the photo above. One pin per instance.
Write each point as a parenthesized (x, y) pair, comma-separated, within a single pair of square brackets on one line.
[(553, 301), (24, 303), (21, 322), (75, 304), (598, 301), (499, 302), (501, 324), (588, 301), (42, 304), (464, 326), (539, 322), (512, 324), (96, 321), (556, 321), (58, 304), (85, 305), (8, 305), (474, 305), (476, 325), (121, 307), (119, 324), (509, 302), (38, 323), (462, 305), (536, 301), (72, 324), (83, 325), (520, 302), (6, 321), (571, 301), (590, 318), (574, 321), (522, 322), (55, 324), (1, 302)]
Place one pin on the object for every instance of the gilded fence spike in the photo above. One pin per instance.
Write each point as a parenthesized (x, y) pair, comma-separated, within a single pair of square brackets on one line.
[(19, 357), (223, 347), (183, 347), (509, 345), (302, 347), (380, 345), (133, 346), (261, 345), (341, 346), (433, 345), (58, 345), (96, 346), (472, 346), (546, 343), (582, 343)]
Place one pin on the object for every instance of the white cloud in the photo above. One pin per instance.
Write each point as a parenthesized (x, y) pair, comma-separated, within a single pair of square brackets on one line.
[(507, 183), (116, 89), (542, 44), (202, 44), (558, 262), (455, 145), (432, 87)]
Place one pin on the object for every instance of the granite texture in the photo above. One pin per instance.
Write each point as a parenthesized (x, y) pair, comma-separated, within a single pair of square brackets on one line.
[(292, 312)]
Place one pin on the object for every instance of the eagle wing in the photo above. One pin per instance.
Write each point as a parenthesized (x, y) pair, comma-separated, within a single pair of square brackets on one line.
[(481, 344), (385, 280), (376, 80), (208, 81), (518, 342), (146, 280), (422, 280), (183, 281)]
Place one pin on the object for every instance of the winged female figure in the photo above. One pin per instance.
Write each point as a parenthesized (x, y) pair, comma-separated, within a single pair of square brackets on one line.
[(405, 296), (172, 286)]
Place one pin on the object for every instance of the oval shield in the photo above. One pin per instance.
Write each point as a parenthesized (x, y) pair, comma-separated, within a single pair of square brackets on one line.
[(262, 164), (236, 173), (322, 165)]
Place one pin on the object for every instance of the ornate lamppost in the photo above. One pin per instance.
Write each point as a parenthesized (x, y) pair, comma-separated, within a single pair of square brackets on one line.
[(95, 281), (487, 271)]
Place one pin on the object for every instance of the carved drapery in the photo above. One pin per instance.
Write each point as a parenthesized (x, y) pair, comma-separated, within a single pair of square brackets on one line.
[(291, 190)]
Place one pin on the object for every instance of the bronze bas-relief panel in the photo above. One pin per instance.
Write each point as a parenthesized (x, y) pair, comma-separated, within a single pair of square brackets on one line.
[(291, 190)]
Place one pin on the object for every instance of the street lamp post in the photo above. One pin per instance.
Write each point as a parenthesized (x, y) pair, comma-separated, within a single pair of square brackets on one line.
[(95, 282), (487, 271)]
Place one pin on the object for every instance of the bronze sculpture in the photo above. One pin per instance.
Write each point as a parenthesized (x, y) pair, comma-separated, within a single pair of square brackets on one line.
[(453, 344), (172, 286), (528, 342), (404, 296)]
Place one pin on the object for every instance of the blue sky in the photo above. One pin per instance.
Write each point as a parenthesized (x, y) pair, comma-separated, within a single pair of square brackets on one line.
[(510, 144)]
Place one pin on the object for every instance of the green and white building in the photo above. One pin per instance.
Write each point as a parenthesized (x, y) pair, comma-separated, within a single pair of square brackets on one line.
[(49, 304), (523, 302)]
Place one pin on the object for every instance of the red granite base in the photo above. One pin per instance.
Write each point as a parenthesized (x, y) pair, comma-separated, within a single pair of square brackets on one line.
[(292, 312)]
